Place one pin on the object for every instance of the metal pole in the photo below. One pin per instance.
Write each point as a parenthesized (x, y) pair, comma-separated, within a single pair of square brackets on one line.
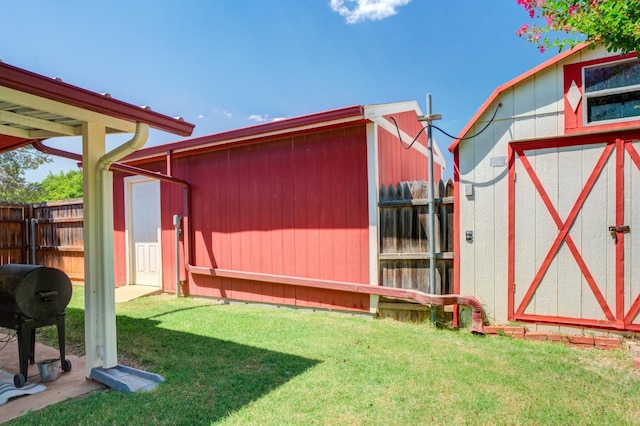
[(432, 207), (33, 242), (429, 118), (176, 225), (27, 241)]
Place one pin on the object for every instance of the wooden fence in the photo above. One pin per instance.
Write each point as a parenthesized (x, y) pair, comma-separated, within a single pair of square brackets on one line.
[(44, 234), (404, 256), (51, 234), (13, 242)]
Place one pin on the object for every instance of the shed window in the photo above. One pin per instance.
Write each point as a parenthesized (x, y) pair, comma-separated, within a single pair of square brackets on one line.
[(612, 92)]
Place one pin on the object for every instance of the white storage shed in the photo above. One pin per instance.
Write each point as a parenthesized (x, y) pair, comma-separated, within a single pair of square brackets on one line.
[(548, 195)]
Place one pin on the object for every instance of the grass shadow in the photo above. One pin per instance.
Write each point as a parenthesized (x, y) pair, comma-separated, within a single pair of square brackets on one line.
[(206, 378)]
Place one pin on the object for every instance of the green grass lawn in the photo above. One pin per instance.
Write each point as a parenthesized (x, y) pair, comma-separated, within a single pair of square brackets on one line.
[(240, 364)]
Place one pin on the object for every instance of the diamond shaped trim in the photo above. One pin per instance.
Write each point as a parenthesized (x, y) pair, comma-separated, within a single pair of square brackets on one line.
[(574, 96)]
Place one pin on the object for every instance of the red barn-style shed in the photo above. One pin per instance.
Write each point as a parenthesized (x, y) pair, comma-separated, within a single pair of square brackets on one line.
[(282, 213)]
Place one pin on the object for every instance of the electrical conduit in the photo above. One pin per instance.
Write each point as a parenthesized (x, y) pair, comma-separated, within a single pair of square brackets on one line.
[(396, 293)]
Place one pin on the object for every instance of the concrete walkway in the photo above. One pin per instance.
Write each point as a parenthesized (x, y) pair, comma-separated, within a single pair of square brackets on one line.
[(130, 292)]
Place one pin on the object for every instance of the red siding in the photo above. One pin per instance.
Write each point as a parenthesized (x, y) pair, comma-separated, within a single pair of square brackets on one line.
[(293, 206), (171, 203), (396, 164), (119, 242)]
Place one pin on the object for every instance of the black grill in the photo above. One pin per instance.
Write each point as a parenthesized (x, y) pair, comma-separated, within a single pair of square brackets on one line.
[(33, 296)]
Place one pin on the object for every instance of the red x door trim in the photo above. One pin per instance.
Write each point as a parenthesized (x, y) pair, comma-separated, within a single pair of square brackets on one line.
[(635, 307), (623, 318), (563, 231)]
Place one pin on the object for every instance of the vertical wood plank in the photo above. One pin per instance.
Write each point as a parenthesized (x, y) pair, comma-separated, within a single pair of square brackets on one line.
[(404, 230)]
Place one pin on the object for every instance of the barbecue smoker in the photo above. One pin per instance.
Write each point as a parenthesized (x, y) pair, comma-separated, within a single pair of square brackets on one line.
[(33, 296)]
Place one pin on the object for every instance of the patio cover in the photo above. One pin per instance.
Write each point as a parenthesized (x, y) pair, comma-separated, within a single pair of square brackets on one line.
[(34, 107)]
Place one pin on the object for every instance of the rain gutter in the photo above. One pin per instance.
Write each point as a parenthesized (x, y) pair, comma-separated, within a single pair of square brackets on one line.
[(114, 166), (132, 170)]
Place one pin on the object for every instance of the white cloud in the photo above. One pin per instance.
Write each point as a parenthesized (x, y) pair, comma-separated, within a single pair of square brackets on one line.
[(201, 116), (363, 10), (263, 118), (258, 118), (224, 113)]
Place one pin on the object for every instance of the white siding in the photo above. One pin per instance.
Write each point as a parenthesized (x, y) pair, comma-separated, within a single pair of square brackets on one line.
[(533, 108), (544, 163), (501, 219), (467, 221), (524, 266)]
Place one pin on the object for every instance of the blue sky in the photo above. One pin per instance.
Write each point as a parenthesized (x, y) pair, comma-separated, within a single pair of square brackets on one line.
[(225, 64)]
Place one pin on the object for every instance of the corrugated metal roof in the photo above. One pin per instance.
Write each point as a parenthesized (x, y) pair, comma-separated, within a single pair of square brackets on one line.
[(34, 107), (252, 134)]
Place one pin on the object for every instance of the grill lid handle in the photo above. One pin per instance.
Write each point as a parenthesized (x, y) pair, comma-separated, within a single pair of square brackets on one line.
[(48, 296)]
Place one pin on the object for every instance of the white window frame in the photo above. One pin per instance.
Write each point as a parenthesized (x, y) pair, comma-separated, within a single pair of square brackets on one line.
[(605, 92)]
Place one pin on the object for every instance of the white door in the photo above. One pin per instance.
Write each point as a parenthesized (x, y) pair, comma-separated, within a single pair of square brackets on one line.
[(143, 212)]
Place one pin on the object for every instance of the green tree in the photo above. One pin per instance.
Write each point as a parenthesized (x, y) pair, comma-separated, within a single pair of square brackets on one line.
[(62, 186), (14, 187), (614, 24)]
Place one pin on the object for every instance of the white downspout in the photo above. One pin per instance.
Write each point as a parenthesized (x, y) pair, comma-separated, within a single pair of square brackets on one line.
[(137, 141), (104, 316)]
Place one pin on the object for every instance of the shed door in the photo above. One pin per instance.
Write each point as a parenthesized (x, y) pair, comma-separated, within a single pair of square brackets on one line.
[(574, 233), (144, 232)]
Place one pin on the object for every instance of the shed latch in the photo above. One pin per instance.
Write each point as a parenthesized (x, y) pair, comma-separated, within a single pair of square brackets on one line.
[(614, 230)]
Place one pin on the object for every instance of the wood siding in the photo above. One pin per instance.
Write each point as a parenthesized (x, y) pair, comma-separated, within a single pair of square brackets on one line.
[(397, 164), (292, 206), (566, 198), (531, 108)]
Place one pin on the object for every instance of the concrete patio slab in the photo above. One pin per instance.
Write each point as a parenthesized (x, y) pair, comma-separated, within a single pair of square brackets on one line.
[(68, 385)]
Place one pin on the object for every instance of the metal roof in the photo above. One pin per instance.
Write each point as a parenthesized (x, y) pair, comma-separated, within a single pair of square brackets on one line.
[(34, 107), (336, 117)]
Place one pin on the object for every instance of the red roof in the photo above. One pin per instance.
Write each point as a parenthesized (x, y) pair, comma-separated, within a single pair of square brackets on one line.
[(53, 89), (349, 114), (7, 143), (508, 85)]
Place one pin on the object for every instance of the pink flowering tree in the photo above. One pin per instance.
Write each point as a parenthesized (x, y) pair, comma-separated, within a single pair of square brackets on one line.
[(614, 24)]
